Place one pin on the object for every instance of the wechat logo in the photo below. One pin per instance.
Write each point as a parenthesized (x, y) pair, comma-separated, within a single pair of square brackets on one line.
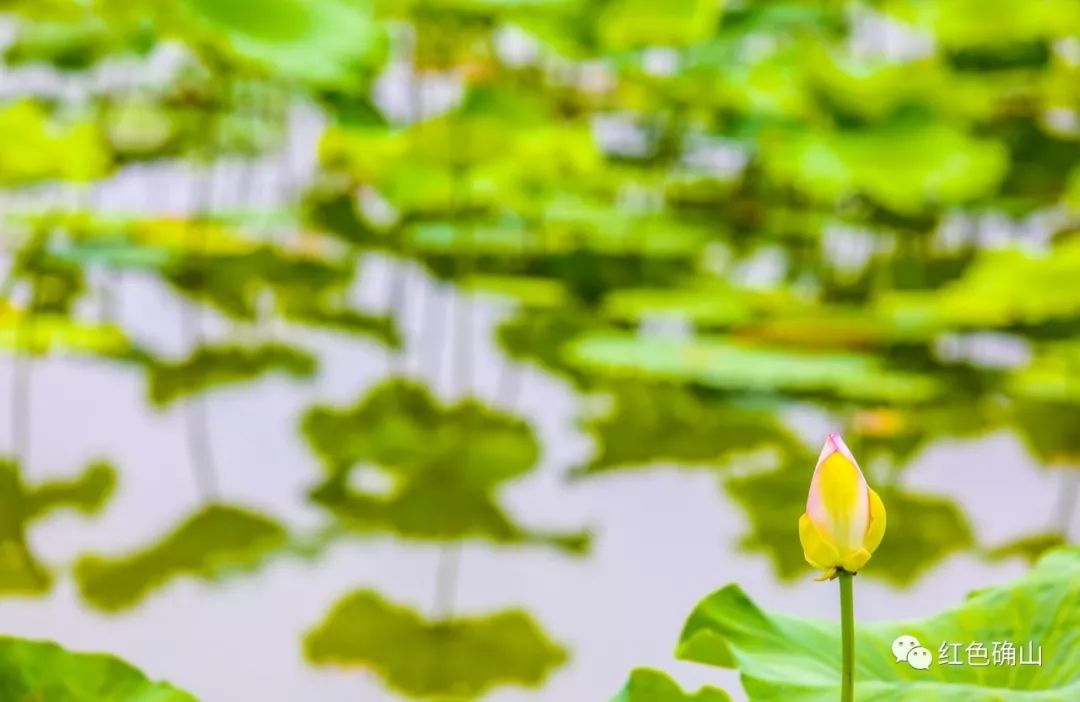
[(907, 649)]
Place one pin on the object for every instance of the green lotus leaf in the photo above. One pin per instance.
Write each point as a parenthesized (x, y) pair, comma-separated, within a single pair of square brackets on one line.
[(780, 657), (458, 658), (87, 493), (1013, 287), (37, 148), (21, 572), (67, 46), (718, 362), (653, 686), (214, 542), (1030, 548), (140, 128), (324, 42), (33, 671), (307, 290), (906, 167), (630, 23), (400, 461), (964, 24), (538, 336), (215, 366), (1048, 428), (652, 424), (705, 307), (1071, 197), (534, 293)]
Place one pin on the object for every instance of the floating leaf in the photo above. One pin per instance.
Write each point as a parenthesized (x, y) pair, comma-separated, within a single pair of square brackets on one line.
[(304, 310), (32, 671), (213, 542), (214, 366), (653, 686), (538, 335), (439, 466), (780, 657), (1009, 287), (307, 290), (20, 571), (327, 43), (462, 658), (720, 363), (633, 23), (67, 46), (1048, 427), (38, 335), (532, 292), (704, 307), (36, 148), (657, 424), (1030, 548), (87, 493), (961, 24), (904, 167)]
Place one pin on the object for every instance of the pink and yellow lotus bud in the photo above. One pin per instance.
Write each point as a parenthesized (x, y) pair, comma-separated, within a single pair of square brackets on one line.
[(844, 519)]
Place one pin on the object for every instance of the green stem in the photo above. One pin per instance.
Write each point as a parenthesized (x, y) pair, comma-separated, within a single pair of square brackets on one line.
[(847, 627)]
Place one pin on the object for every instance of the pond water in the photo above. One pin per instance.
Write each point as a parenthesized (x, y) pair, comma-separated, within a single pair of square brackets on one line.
[(663, 538)]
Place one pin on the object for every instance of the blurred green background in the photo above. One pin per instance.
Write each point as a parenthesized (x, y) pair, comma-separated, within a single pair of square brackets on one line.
[(454, 349)]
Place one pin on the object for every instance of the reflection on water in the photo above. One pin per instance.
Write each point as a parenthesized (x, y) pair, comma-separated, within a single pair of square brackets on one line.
[(662, 536)]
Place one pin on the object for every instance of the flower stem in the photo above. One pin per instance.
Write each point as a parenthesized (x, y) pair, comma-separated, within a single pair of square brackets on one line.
[(847, 628)]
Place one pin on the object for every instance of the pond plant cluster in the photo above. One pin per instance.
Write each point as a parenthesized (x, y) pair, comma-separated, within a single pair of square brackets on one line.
[(710, 213)]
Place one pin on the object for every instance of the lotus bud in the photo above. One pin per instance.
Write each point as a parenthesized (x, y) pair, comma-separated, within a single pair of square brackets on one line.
[(844, 520)]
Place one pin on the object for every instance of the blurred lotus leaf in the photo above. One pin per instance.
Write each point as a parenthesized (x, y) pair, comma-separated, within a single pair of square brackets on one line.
[(458, 658), (302, 310), (36, 147), (904, 166), (88, 493), (930, 528), (234, 283), (1072, 193), (32, 671), (1030, 548), (400, 461), (653, 686), (652, 424), (724, 364), (214, 366), (20, 571), (830, 328), (55, 284), (965, 24), (463, 162), (706, 307), (139, 128), (305, 289), (780, 657), (533, 293), (215, 541), (539, 335), (24, 333), (140, 244), (1004, 288), (1048, 428), (321, 42), (68, 46), (633, 23)]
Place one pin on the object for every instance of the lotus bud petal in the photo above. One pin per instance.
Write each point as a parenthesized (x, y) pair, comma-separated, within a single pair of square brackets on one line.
[(844, 520)]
